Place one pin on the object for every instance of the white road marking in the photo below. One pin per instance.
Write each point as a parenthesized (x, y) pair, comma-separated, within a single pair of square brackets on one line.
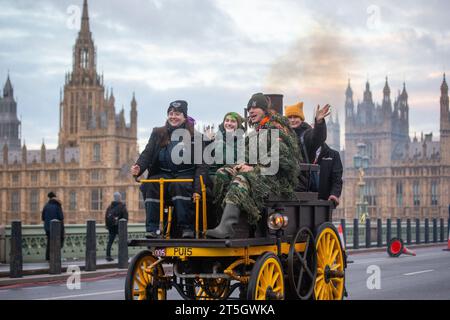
[(413, 273), (82, 295), (388, 259)]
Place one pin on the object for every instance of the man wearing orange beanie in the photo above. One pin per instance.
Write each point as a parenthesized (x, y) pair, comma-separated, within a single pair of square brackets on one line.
[(309, 139)]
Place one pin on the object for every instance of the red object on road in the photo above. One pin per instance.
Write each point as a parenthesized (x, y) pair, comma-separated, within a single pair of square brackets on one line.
[(396, 247), (341, 236)]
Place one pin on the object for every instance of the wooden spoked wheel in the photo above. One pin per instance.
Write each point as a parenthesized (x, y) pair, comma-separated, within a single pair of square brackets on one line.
[(266, 279), (302, 265), (213, 289), (330, 264), (141, 283)]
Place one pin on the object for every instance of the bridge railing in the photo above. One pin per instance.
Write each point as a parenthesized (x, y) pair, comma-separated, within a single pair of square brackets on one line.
[(34, 242), (377, 232)]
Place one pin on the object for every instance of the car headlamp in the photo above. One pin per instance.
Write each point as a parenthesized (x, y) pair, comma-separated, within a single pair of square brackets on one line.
[(277, 221)]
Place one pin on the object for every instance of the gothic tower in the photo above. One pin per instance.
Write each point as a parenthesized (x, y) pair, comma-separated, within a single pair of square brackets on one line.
[(349, 105), (83, 89), (9, 123), (386, 106), (88, 118)]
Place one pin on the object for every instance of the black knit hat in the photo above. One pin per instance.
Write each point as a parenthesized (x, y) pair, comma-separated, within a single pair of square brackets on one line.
[(51, 194), (258, 100), (180, 106)]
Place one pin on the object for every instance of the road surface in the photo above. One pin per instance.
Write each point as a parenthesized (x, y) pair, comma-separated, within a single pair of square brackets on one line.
[(425, 276)]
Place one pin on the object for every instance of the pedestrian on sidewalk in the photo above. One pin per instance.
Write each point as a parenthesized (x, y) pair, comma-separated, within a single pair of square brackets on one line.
[(117, 210), (52, 211)]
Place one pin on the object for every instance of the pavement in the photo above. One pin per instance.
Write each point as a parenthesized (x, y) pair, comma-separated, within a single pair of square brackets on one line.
[(43, 267), (423, 277)]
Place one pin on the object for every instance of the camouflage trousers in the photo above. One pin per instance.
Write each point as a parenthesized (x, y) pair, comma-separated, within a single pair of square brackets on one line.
[(238, 188)]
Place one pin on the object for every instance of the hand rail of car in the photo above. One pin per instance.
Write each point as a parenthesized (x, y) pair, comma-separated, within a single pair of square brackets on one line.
[(161, 182)]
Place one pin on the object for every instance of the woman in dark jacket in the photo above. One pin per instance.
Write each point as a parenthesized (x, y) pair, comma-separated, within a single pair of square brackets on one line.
[(158, 160)]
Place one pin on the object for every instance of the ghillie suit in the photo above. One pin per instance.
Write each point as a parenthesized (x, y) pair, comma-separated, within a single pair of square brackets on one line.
[(248, 190)]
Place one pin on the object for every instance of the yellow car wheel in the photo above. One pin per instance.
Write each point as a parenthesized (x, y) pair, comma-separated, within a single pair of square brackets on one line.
[(266, 279), (330, 264), (140, 282)]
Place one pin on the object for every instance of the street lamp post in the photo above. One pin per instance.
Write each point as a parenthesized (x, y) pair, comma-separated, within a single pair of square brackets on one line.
[(361, 162)]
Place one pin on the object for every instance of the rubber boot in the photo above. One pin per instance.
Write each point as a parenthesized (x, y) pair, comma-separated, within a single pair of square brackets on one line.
[(225, 230)]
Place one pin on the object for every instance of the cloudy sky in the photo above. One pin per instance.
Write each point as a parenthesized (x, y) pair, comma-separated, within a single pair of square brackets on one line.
[(215, 54)]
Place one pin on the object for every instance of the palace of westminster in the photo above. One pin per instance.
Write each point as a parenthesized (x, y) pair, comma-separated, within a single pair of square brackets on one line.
[(405, 178)]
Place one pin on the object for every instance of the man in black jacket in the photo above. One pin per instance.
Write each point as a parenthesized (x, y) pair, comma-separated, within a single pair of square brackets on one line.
[(52, 211), (117, 210), (330, 176)]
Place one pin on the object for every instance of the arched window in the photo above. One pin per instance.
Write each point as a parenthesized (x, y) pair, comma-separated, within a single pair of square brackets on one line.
[(96, 152), (96, 199), (416, 193), (72, 200), (434, 193), (34, 200)]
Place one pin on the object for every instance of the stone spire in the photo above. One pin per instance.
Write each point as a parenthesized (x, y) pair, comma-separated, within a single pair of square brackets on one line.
[(349, 105), (43, 151), (8, 90), (368, 93), (84, 50), (85, 29), (349, 91), (444, 87), (133, 116), (24, 153), (386, 90), (404, 94), (387, 105)]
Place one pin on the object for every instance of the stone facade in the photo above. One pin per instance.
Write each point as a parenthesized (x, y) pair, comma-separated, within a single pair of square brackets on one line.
[(95, 151), (406, 178)]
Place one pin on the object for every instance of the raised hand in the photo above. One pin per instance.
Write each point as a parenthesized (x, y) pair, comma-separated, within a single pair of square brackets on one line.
[(322, 113)]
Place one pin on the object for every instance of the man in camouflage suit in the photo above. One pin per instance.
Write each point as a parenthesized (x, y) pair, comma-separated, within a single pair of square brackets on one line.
[(243, 187)]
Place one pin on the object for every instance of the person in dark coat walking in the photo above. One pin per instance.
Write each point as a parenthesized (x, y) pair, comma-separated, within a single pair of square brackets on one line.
[(309, 138), (117, 210), (157, 160), (330, 176), (52, 211)]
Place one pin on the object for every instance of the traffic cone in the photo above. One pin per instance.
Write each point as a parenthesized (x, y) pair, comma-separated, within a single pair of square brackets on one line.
[(396, 247), (448, 241)]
